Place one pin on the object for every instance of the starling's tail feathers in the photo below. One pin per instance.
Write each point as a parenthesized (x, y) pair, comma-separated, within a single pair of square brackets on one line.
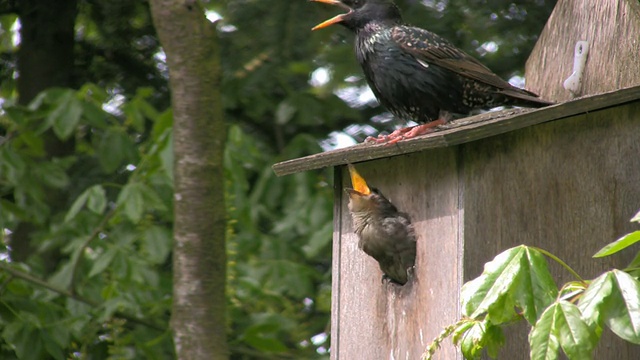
[(521, 97)]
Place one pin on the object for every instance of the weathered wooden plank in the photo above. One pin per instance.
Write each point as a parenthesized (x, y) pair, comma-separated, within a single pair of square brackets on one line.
[(461, 131), (372, 320), (569, 187), (611, 27), (336, 264)]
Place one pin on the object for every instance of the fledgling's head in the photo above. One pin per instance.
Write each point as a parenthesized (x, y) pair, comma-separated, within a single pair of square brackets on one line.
[(372, 203), (361, 12), (365, 199)]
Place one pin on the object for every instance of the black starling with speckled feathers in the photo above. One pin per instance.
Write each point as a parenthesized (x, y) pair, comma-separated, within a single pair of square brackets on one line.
[(416, 74)]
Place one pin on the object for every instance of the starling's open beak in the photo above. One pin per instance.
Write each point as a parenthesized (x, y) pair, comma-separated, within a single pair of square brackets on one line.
[(335, 19), (359, 185)]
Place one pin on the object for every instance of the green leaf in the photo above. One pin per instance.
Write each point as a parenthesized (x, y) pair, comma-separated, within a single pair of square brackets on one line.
[(17, 114), (131, 200), (262, 340), (134, 115), (622, 309), (497, 279), (503, 310), (156, 243), (561, 325), (289, 277), (542, 338), (94, 197), (576, 337), (66, 115), (151, 198), (620, 244), (102, 262), (51, 346), (636, 217), (52, 175), (97, 199), (634, 266), (32, 141), (63, 277), (166, 156), (20, 288), (318, 241), (493, 340), (536, 289), (77, 206), (593, 298), (110, 307), (93, 115), (115, 149), (8, 207), (461, 329), (474, 336), (471, 342), (25, 340), (90, 91), (262, 334), (162, 124)]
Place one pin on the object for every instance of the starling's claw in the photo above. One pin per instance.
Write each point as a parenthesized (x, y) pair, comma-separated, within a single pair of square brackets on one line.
[(406, 133), (418, 130), (388, 280), (411, 273)]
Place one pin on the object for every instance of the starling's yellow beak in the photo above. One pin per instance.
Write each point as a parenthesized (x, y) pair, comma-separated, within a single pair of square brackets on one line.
[(358, 182), (335, 19)]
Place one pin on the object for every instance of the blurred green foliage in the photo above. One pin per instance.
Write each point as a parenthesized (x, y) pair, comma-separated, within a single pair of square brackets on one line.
[(101, 215)]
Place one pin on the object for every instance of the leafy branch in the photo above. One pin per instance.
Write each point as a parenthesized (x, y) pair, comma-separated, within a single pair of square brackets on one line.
[(34, 280), (517, 284), (85, 244)]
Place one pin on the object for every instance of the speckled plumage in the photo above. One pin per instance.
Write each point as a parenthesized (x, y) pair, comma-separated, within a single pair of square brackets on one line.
[(384, 233), (418, 75)]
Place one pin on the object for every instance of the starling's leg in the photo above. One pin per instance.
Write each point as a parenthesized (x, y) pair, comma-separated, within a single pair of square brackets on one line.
[(409, 132), (385, 138), (415, 131)]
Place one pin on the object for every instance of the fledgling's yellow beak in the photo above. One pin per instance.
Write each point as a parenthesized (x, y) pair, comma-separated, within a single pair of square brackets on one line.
[(358, 182)]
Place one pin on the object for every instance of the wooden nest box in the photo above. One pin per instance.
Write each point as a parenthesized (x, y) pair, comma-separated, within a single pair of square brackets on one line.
[(565, 178)]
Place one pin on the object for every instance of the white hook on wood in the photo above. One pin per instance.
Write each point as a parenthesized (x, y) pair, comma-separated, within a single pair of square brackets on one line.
[(574, 82)]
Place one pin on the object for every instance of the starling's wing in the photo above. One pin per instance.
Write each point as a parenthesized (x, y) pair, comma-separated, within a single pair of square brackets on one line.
[(430, 48)]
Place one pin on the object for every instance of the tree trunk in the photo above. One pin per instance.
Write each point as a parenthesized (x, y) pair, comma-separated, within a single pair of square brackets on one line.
[(199, 259), (45, 60)]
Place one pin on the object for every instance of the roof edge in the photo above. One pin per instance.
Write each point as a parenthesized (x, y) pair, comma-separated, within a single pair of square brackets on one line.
[(461, 131)]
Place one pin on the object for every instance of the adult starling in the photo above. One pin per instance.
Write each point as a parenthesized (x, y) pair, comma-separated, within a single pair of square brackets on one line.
[(385, 233), (416, 74)]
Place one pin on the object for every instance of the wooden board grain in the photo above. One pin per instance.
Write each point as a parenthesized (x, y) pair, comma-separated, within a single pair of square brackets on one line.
[(569, 187), (460, 131), (372, 320), (612, 28)]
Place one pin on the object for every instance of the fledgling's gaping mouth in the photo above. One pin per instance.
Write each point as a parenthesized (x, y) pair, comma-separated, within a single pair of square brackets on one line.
[(336, 19), (359, 184)]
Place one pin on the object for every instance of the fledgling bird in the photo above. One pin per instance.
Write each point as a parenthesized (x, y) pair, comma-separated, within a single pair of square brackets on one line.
[(418, 75), (385, 233)]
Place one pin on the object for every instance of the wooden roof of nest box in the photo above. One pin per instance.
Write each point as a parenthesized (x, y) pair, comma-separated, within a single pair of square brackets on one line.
[(565, 178)]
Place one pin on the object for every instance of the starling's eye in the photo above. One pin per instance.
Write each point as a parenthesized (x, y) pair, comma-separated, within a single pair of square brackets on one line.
[(356, 3)]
